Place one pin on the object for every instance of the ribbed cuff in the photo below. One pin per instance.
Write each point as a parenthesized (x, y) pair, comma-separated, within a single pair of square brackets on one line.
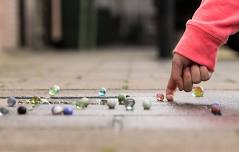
[(198, 46)]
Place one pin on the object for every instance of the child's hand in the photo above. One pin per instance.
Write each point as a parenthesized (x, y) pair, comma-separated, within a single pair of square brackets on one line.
[(184, 74)]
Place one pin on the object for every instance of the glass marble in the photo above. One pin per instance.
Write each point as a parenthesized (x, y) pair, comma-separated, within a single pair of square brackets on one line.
[(21, 110), (57, 110), (125, 87), (68, 111), (121, 99), (160, 96), (82, 103), (216, 109), (85, 101), (129, 108), (53, 91), (35, 100), (102, 92), (4, 111), (197, 91), (147, 104), (112, 104), (129, 104), (11, 101)]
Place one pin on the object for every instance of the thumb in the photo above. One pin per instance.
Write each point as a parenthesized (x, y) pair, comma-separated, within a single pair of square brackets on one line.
[(171, 87)]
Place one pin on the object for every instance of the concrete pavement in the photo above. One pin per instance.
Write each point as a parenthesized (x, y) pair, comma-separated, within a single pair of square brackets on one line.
[(186, 125)]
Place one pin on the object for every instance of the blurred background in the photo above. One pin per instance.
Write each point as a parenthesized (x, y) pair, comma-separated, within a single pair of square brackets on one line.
[(90, 24), (111, 43)]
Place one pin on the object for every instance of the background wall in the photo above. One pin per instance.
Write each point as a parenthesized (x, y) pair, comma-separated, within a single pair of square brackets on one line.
[(8, 24)]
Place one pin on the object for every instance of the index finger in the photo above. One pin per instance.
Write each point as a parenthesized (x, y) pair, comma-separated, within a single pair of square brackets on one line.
[(171, 87), (176, 74)]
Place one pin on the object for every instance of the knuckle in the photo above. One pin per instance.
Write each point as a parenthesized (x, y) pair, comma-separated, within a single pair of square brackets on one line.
[(176, 62), (187, 75), (175, 78)]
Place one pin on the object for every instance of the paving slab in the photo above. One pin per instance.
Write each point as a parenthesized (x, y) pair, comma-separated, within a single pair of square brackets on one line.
[(74, 139), (185, 125), (90, 70), (185, 112)]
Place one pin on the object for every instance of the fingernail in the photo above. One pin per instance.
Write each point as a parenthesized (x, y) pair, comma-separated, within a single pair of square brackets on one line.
[(180, 89), (170, 98)]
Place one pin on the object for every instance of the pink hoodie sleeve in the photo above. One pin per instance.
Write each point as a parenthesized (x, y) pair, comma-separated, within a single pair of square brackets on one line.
[(209, 28)]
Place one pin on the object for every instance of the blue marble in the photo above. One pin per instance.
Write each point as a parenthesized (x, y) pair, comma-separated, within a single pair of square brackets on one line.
[(68, 111), (11, 101)]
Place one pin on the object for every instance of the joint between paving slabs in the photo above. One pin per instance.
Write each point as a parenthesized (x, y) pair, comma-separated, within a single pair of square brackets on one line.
[(62, 97)]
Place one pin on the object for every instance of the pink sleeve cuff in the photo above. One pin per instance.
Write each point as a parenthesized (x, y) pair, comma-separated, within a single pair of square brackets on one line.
[(198, 46)]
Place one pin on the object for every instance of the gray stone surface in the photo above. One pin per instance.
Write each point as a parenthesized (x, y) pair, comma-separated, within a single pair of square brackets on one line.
[(185, 112), (94, 69), (186, 125)]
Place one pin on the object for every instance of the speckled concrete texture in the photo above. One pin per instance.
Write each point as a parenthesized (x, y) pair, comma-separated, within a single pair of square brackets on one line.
[(185, 125)]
